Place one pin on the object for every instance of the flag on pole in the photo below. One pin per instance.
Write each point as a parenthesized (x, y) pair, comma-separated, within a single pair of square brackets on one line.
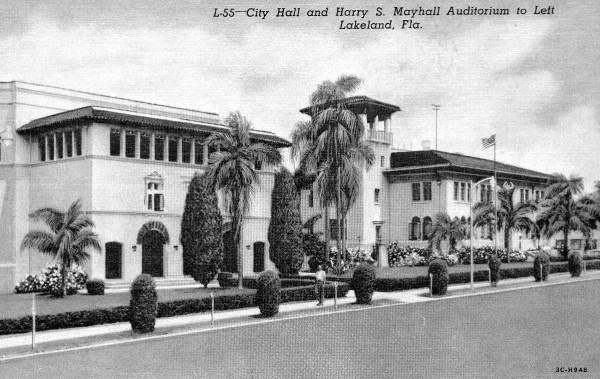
[(487, 142)]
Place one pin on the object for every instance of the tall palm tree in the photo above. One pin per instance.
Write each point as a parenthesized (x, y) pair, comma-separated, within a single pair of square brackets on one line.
[(511, 215), (68, 240), (330, 145), (445, 227), (232, 170)]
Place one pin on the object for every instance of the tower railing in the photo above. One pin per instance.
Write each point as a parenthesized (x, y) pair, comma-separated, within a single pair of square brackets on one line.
[(380, 136)]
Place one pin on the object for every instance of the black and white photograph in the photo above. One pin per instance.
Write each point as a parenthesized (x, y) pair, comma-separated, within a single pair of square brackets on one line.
[(299, 189)]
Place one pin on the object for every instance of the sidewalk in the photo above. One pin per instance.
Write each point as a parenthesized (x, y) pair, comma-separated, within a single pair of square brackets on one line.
[(204, 319)]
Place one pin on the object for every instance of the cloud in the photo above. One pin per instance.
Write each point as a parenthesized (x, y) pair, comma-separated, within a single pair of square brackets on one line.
[(268, 74)]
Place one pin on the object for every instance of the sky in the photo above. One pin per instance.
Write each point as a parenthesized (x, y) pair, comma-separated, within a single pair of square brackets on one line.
[(533, 80)]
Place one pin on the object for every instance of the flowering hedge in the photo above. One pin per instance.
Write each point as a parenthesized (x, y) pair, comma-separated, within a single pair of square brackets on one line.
[(50, 280), (414, 256), (481, 254)]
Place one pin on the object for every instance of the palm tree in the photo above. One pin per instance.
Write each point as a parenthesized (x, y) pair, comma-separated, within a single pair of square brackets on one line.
[(511, 216), (330, 145), (232, 170), (562, 213), (445, 227), (68, 240)]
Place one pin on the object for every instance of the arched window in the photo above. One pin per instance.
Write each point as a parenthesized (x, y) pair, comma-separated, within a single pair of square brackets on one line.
[(415, 229), (426, 227)]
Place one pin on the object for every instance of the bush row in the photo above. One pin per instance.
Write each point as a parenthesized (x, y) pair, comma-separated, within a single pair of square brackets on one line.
[(400, 284), (50, 281), (226, 279), (165, 309)]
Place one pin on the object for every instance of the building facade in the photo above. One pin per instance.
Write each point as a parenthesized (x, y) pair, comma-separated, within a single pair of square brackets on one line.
[(404, 190), (130, 164)]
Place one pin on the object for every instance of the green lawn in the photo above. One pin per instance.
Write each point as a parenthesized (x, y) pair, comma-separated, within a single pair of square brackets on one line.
[(519, 334), (19, 305)]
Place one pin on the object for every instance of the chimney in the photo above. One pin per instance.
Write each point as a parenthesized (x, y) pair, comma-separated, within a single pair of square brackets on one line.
[(426, 144)]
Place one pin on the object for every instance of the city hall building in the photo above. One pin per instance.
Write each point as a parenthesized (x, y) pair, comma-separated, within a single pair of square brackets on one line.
[(130, 164)]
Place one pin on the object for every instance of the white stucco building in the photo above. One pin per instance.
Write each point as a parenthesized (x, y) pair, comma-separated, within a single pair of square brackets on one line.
[(129, 162)]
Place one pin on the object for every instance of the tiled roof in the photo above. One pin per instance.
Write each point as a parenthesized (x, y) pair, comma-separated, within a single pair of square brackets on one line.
[(353, 101), (405, 160), (103, 114)]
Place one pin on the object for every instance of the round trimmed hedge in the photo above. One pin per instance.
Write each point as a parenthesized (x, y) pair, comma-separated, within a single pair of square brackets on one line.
[(268, 293), (438, 269), (575, 264), (363, 283), (494, 264), (143, 305), (95, 287), (543, 260)]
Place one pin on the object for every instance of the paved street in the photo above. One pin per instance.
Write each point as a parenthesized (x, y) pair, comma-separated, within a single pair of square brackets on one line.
[(525, 333)]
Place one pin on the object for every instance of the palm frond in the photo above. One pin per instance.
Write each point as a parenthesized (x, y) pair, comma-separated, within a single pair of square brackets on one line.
[(39, 240)]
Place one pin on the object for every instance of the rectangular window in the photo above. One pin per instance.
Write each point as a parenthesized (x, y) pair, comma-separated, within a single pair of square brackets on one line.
[(172, 149), (455, 190), (198, 152), (42, 148), (130, 144), (462, 191), (155, 196), (376, 195), (416, 191), (78, 136), (593, 244), (526, 195), (537, 195), (468, 191), (115, 142), (427, 191), (258, 165), (489, 193), (145, 146), (186, 151), (522, 193), (59, 145), (333, 228), (311, 199), (69, 143), (542, 195), (51, 147), (382, 161), (559, 244), (159, 147), (575, 244), (211, 149), (482, 193)]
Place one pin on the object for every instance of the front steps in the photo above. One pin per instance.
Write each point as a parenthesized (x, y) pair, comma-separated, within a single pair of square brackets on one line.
[(172, 282)]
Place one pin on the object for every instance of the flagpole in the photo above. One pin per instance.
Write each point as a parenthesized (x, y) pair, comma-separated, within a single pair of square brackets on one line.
[(495, 203)]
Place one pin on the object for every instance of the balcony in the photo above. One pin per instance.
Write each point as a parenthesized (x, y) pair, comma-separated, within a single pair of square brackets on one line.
[(380, 136)]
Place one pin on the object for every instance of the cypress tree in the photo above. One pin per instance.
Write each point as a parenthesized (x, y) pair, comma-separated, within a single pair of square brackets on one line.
[(201, 237), (285, 228)]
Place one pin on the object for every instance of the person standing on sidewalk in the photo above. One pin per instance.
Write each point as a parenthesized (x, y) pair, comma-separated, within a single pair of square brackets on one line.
[(320, 277)]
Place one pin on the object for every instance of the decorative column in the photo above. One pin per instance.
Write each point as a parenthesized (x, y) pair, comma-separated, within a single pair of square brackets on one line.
[(152, 146), (138, 142), (205, 153), (179, 149), (387, 124), (193, 151)]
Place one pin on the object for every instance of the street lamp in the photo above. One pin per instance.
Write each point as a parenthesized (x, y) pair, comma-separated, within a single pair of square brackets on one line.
[(471, 197)]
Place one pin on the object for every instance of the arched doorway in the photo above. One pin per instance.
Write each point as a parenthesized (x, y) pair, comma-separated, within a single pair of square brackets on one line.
[(153, 236), (152, 253), (259, 256)]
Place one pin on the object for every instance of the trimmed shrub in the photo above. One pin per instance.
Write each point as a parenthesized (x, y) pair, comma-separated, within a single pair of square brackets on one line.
[(494, 265), (575, 264), (32, 283), (95, 287), (268, 293), (285, 227), (201, 225), (543, 260), (143, 304), (363, 283), (438, 269)]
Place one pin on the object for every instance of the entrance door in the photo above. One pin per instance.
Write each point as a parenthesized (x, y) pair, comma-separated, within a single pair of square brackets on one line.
[(152, 253), (259, 256), (229, 253), (112, 262)]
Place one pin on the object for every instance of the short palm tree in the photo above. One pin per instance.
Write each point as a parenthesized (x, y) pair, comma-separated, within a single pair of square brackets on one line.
[(447, 228), (232, 170), (69, 239), (511, 215), (562, 213)]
